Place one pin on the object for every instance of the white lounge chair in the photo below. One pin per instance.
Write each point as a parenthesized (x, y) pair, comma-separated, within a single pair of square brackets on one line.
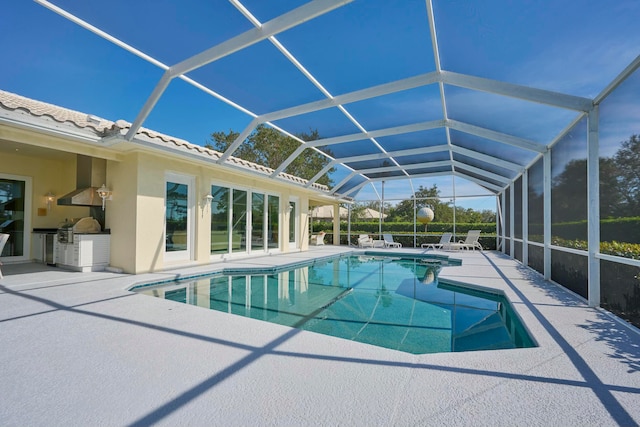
[(444, 242), (318, 239), (389, 243), (3, 241), (364, 241), (470, 243)]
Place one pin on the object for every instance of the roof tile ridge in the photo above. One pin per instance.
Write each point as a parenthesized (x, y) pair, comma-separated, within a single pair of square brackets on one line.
[(13, 102)]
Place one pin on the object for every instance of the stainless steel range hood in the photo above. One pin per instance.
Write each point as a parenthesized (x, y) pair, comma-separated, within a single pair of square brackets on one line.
[(91, 173)]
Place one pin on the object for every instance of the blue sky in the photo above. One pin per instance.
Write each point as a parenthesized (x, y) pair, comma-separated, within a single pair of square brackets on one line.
[(574, 46)]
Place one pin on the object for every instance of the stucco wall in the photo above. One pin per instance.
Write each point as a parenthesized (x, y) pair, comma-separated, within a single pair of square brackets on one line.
[(57, 175), (122, 212), (137, 213)]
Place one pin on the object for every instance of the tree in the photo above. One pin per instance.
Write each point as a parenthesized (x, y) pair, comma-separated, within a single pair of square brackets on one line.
[(627, 161), (359, 210), (269, 147), (619, 186), (569, 193), (426, 197), (611, 197)]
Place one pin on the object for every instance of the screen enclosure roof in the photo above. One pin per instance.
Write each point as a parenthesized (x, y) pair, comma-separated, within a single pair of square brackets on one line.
[(393, 90)]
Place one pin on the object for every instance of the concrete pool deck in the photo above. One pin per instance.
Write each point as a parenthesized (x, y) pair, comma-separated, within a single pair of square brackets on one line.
[(79, 349)]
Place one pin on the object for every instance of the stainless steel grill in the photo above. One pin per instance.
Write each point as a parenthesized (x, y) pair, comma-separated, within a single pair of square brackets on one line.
[(81, 225)]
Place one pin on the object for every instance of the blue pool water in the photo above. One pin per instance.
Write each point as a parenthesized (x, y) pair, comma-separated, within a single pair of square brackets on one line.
[(397, 303)]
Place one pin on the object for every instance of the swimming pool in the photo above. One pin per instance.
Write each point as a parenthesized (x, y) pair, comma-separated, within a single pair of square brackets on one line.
[(391, 302)]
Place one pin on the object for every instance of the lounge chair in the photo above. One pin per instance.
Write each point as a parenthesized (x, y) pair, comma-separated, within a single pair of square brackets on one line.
[(364, 241), (3, 241), (389, 243), (444, 242), (470, 243), (318, 239)]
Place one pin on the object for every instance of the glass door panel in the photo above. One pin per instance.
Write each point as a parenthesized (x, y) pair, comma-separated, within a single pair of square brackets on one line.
[(220, 219), (239, 221), (177, 217), (257, 222), (273, 222), (12, 216)]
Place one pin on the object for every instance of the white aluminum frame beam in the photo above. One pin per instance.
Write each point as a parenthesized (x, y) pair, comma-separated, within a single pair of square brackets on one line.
[(496, 136), (593, 211), (487, 158), (238, 141), (359, 95), (526, 93), (396, 130), (481, 172), (416, 127), (398, 153), (277, 25), (363, 136), (392, 178), (485, 184), (406, 167), (462, 175)]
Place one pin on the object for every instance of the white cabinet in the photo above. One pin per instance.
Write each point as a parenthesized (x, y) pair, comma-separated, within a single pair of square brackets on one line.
[(88, 252)]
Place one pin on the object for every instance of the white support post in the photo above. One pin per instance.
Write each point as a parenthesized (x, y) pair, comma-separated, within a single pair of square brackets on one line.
[(525, 217), (593, 213), (415, 217), (499, 223), (547, 214), (349, 224), (512, 219), (503, 203)]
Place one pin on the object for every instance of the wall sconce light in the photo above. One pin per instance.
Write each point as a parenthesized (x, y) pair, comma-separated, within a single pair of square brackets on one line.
[(206, 200), (104, 193), (50, 198)]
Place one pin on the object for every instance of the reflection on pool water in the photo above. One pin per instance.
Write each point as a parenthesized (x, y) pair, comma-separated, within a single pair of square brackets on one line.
[(391, 302)]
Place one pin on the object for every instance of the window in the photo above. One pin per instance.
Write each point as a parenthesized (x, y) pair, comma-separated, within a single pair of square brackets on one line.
[(178, 217)]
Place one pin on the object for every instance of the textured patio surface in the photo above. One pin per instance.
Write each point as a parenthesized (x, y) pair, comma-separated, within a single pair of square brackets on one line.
[(79, 349)]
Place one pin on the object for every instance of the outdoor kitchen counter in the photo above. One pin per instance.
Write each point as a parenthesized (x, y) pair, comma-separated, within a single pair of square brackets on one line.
[(87, 252)]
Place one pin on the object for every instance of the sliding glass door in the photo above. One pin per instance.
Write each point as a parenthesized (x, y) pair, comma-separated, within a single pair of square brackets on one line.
[(243, 221), (14, 216)]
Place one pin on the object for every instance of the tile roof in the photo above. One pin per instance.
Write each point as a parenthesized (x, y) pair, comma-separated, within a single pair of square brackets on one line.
[(102, 128), (12, 102)]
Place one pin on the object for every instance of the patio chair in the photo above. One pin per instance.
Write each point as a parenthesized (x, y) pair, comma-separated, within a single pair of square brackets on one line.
[(471, 241), (364, 241), (444, 242), (389, 243), (3, 241), (318, 239)]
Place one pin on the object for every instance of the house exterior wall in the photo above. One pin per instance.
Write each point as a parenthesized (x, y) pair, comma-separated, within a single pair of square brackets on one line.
[(136, 174), (57, 176), (121, 213), (136, 215)]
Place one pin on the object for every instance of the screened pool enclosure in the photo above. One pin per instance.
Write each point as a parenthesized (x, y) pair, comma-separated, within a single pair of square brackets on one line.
[(533, 106)]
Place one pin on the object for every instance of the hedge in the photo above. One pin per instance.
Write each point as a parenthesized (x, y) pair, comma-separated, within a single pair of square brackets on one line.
[(613, 229), (405, 227), (621, 249)]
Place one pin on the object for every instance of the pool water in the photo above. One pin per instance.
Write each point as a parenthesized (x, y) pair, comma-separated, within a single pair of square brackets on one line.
[(396, 303)]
